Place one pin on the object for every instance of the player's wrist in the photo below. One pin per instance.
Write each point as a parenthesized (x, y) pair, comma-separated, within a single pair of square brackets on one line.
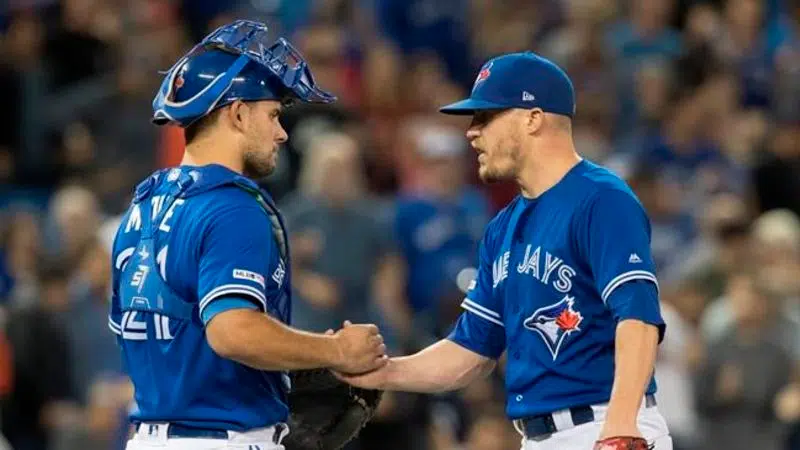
[(389, 380), (332, 353), (619, 425)]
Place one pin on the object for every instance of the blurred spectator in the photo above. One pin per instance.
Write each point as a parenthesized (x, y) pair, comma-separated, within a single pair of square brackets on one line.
[(745, 45), (346, 268), (22, 252), (673, 231), (777, 176), (438, 222), (645, 34), (79, 49), (96, 352), (340, 254), (687, 150), (724, 243), (745, 369), (419, 25), (655, 89), (775, 259), (75, 216), (24, 125), (324, 47), (578, 48), (678, 356), (42, 401), (699, 61)]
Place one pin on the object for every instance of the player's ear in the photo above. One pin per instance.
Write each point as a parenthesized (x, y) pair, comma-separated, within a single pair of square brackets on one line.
[(239, 115), (534, 120)]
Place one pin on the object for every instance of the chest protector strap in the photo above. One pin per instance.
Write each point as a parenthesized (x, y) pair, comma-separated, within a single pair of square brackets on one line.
[(143, 284), (279, 234)]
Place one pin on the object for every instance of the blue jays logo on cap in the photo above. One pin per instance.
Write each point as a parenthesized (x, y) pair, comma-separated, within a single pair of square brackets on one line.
[(484, 73), (555, 322), (518, 80)]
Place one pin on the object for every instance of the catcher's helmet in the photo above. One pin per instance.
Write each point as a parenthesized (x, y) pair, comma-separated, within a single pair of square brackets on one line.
[(234, 62)]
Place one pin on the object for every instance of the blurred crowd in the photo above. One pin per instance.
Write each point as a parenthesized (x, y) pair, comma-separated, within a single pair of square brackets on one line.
[(695, 102)]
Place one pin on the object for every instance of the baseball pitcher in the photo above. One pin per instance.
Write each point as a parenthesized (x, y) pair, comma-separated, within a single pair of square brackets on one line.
[(566, 285)]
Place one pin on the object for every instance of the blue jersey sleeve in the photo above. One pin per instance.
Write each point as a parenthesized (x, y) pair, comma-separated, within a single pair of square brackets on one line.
[(480, 328), (616, 244), (479, 336), (635, 300), (235, 256), (480, 299), (119, 257)]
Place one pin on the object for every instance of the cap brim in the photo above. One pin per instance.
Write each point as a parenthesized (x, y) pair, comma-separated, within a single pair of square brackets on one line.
[(468, 107)]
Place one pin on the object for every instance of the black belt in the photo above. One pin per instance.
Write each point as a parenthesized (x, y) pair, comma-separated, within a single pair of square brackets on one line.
[(545, 424), (175, 430)]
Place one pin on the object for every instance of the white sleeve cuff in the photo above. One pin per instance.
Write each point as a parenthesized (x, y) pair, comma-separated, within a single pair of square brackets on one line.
[(621, 279), (114, 327), (482, 312)]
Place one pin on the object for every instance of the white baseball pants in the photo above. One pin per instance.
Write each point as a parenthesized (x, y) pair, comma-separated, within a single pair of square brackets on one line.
[(155, 438), (582, 437)]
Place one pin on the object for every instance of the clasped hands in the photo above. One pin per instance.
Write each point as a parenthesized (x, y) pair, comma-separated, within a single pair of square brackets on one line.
[(360, 349)]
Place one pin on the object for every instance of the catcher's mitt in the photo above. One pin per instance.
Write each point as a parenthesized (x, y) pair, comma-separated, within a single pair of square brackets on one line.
[(623, 443), (325, 413)]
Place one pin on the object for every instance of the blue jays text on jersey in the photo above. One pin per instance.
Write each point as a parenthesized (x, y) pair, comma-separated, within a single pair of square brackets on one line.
[(556, 274), (195, 242)]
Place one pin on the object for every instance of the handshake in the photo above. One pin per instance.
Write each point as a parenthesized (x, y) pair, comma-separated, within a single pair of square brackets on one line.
[(358, 348)]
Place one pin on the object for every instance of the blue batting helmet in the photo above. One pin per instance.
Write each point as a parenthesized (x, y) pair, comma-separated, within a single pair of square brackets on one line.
[(235, 62)]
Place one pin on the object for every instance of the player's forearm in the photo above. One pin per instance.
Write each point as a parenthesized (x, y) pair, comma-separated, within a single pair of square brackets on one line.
[(444, 366), (636, 345), (256, 340)]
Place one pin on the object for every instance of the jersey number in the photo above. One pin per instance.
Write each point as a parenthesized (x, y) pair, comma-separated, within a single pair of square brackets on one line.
[(134, 328)]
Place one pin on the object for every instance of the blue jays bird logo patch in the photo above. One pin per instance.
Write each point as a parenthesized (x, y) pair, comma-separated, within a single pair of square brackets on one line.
[(555, 322), (483, 74)]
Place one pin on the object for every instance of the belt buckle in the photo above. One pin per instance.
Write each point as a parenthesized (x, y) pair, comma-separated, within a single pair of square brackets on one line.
[(538, 427)]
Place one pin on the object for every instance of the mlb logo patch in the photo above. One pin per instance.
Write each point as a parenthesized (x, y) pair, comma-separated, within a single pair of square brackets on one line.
[(242, 274)]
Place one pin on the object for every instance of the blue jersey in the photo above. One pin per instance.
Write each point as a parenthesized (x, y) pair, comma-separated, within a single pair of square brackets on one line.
[(556, 274), (438, 240), (195, 241)]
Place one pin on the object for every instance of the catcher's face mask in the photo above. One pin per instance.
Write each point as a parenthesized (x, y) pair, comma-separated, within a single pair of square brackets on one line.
[(235, 62)]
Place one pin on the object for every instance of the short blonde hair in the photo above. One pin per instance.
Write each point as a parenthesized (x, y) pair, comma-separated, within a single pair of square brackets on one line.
[(323, 150)]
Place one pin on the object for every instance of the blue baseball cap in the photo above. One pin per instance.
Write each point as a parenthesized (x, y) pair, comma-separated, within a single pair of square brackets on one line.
[(518, 80)]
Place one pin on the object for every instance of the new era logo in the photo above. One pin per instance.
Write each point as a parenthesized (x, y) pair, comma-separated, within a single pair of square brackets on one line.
[(527, 96), (634, 258)]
